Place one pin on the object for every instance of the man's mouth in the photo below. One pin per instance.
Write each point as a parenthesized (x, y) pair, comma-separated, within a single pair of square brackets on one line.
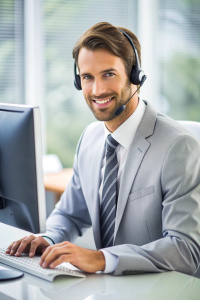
[(103, 101)]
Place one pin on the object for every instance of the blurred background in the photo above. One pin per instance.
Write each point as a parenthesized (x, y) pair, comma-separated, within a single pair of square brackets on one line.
[(36, 65)]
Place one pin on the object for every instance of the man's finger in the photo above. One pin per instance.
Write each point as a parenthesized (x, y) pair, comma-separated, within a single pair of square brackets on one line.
[(52, 253), (33, 246), (60, 260), (22, 245), (11, 247), (35, 243)]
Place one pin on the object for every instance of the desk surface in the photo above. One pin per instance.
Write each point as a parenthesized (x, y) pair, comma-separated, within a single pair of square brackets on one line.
[(165, 286)]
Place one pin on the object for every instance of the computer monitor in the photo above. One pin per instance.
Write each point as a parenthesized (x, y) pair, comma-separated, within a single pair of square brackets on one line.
[(22, 195)]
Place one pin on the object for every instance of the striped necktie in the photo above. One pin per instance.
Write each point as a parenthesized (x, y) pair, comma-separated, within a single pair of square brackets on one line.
[(109, 194)]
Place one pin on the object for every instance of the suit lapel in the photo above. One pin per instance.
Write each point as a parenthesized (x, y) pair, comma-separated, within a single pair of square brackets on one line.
[(137, 151)]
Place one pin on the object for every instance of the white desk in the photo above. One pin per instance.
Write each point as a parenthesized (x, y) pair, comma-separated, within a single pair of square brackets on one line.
[(165, 286)]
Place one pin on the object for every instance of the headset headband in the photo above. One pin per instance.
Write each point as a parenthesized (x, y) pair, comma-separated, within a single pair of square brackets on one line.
[(137, 76)]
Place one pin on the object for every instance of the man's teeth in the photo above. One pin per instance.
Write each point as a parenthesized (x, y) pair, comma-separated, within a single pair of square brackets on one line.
[(103, 101)]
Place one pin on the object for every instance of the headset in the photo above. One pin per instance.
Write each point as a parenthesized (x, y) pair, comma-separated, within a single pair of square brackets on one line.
[(137, 76)]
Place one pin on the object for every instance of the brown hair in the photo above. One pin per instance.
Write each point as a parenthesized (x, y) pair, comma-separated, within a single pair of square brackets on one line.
[(105, 35)]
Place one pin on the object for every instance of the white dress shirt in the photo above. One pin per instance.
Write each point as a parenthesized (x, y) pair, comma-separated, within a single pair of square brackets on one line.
[(124, 135)]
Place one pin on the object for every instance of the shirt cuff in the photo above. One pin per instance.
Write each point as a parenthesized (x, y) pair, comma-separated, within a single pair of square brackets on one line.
[(111, 261)]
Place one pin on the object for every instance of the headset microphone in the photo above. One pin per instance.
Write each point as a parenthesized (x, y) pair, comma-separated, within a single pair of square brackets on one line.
[(122, 107)]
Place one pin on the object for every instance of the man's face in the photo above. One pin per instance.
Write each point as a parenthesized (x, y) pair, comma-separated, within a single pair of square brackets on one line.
[(105, 84)]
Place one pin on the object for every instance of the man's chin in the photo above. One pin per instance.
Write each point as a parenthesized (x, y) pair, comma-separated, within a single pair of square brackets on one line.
[(104, 116)]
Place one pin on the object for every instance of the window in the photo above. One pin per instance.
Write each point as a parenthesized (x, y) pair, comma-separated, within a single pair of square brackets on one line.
[(40, 40), (11, 51), (178, 50)]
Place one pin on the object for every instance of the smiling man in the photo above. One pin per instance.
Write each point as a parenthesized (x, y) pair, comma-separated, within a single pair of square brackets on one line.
[(136, 173), (105, 86)]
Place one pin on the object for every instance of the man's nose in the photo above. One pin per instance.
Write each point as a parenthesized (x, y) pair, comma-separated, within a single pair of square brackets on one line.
[(98, 87)]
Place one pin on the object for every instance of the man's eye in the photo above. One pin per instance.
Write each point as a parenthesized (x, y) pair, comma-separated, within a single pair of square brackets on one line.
[(86, 77), (110, 74)]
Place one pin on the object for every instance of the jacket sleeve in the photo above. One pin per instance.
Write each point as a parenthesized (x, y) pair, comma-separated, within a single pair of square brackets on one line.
[(70, 218), (179, 248)]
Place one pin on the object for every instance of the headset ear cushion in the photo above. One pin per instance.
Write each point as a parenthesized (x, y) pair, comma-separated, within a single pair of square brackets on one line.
[(137, 76), (134, 76), (77, 82)]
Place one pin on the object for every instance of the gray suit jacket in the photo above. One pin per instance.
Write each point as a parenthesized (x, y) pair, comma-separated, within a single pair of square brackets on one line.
[(157, 224)]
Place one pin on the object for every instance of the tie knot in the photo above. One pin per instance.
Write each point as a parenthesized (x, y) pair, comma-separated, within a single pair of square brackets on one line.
[(111, 144)]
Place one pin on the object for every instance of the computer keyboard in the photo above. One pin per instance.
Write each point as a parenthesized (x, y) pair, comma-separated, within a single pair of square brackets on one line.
[(31, 266)]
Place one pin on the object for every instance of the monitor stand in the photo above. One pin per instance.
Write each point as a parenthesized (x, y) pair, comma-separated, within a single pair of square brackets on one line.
[(8, 274)]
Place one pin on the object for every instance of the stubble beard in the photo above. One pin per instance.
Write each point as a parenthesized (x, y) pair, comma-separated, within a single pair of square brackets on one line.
[(108, 114)]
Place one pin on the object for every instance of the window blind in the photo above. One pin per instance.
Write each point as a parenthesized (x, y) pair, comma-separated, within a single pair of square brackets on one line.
[(178, 51), (11, 51)]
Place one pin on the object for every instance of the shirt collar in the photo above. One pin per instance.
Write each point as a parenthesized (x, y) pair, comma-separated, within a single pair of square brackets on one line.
[(129, 126)]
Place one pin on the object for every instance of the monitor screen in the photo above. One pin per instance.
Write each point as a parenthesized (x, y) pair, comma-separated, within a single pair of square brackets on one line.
[(22, 195)]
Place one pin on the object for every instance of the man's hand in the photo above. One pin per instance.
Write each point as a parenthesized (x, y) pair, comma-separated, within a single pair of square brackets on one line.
[(87, 260), (29, 244)]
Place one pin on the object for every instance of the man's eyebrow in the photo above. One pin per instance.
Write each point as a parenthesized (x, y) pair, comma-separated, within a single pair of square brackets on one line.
[(84, 74), (108, 70)]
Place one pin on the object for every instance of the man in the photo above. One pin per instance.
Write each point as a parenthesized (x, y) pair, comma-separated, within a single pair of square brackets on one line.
[(151, 221)]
